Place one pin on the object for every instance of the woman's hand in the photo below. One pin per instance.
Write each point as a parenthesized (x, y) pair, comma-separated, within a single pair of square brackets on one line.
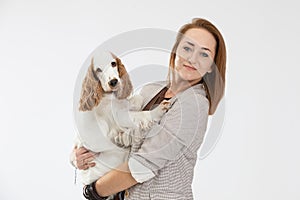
[(83, 158)]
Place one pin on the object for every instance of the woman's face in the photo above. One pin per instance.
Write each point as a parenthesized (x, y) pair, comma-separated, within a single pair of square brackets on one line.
[(195, 54)]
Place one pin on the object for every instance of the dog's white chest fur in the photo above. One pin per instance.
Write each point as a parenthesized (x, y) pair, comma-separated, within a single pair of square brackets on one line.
[(108, 110)]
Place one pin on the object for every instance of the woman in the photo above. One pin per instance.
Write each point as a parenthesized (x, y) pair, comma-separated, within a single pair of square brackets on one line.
[(162, 166)]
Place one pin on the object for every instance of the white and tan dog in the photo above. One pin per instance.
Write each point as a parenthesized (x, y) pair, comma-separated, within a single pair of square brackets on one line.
[(106, 114)]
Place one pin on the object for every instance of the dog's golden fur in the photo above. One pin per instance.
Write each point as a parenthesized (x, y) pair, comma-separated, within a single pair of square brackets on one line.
[(127, 88)]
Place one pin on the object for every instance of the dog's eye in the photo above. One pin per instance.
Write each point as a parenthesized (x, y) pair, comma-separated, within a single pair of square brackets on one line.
[(113, 64), (98, 70)]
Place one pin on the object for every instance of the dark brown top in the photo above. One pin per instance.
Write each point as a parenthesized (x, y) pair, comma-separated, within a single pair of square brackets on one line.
[(155, 101)]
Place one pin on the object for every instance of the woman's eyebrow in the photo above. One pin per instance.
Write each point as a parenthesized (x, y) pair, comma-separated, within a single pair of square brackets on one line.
[(207, 49), (204, 48), (190, 43)]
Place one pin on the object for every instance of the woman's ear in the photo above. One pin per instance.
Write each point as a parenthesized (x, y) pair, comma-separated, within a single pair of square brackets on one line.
[(127, 88), (91, 92)]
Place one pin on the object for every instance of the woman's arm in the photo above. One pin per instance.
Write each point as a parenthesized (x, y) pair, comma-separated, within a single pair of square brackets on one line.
[(115, 181)]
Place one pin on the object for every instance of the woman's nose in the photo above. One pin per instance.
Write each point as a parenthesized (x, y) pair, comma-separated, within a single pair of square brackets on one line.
[(192, 58)]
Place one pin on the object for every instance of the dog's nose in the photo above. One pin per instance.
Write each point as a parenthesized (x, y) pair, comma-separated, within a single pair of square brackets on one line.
[(113, 82)]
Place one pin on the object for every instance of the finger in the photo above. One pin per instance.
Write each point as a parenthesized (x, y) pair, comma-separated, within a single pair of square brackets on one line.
[(92, 164), (82, 154), (86, 156), (82, 165), (86, 165), (89, 160), (81, 150)]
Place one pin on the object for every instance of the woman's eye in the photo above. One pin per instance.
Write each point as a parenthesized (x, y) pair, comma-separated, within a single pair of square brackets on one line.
[(98, 70), (204, 54), (113, 64), (187, 49)]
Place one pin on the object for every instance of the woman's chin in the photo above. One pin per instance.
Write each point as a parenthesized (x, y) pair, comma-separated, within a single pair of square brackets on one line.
[(188, 77)]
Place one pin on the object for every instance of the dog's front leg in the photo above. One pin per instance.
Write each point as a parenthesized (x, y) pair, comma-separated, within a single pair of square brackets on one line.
[(160, 110), (124, 138), (145, 119), (136, 102)]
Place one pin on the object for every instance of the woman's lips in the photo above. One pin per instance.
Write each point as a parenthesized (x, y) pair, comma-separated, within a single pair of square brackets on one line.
[(189, 67)]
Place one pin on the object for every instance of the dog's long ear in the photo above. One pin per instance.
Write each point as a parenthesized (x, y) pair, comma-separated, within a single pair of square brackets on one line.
[(91, 92), (127, 88)]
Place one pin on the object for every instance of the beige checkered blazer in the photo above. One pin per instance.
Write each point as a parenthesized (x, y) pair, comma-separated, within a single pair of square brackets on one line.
[(170, 148)]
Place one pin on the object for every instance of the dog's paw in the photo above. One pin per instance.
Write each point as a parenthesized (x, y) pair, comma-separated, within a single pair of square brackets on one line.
[(160, 110), (145, 124), (165, 105), (123, 139), (141, 119)]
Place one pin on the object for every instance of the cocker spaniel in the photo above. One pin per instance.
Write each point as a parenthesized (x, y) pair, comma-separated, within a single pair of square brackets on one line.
[(108, 115)]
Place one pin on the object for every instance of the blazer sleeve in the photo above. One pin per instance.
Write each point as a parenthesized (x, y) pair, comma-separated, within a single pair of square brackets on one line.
[(183, 124)]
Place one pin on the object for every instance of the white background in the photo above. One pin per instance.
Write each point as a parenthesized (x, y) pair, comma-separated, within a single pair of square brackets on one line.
[(43, 45)]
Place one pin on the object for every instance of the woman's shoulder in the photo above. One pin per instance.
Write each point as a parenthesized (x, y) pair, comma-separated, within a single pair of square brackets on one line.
[(195, 92), (195, 95)]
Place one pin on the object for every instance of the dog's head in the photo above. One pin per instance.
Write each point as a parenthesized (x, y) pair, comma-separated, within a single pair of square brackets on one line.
[(106, 74)]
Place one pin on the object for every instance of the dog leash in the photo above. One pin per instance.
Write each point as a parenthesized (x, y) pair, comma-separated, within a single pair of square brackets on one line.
[(75, 176)]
